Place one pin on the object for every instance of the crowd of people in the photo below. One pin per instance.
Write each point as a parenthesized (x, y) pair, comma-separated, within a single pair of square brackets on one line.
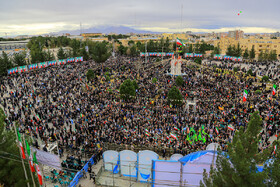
[(58, 103)]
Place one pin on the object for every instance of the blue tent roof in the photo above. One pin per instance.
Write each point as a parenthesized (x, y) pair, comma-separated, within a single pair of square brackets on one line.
[(193, 156)]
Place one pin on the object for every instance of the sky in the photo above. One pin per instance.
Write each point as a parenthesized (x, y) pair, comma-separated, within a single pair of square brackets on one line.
[(32, 17)]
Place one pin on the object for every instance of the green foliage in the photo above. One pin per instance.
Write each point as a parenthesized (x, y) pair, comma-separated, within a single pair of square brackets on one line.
[(217, 50), (198, 60), (250, 72), (135, 84), (101, 52), (239, 169), (179, 81), (61, 54), (107, 78), (265, 78), (19, 59), (154, 80), (11, 173), (133, 51), (234, 50), (252, 52), (127, 90), (49, 56), (258, 92), (84, 54), (5, 64), (235, 69), (122, 49), (246, 53), (90, 75), (75, 45), (174, 96)]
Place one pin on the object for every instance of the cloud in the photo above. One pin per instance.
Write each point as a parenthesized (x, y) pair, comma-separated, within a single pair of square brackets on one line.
[(42, 16)]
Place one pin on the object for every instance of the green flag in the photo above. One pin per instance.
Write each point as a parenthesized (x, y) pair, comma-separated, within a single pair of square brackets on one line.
[(27, 148)]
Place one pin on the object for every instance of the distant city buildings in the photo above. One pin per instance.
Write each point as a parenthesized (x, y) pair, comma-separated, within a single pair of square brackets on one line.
[(237, 34)]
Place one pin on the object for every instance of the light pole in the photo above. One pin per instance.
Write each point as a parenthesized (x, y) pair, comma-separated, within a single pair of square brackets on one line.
[(146, 52)]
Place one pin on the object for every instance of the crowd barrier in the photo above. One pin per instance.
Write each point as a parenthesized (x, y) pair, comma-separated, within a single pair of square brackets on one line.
[(21, 69), (79, 174)]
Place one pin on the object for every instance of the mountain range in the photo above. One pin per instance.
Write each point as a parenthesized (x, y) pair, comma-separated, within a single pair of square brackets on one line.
[(107, 30)]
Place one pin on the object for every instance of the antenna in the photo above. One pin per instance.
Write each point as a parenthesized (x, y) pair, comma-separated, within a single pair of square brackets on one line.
[(80, 28), (181, 17)]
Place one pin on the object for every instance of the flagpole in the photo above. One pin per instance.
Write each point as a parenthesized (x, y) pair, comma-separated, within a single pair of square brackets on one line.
[(28, 161), (26, 177)]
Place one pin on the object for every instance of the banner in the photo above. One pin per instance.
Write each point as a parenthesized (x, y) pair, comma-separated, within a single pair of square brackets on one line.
[(48, 159), (51, 63), (40, 65), (218, 57)]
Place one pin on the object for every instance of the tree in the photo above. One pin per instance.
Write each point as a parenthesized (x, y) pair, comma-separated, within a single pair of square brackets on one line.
[(190, 50), (61, 54), (238, 166), (261, 56), (179, 81), (272, 55), (246, 53), (135, 84), (272, 168), (229, 51), (198, 60), (90, 75), (265, 78), (5, 64), (127, 90), (252, 53), (101, 52), (238, 51), (235, 69), (250, 72), (133, 51), (122, 49), (75, 45), (84, 54), (217, 50), (154, 80), (36, 53), (11, 173), (49, 56), (19, 59), (174, 96)]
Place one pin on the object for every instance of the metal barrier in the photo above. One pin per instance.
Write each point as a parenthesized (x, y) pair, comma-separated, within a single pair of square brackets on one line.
[(77, 177)]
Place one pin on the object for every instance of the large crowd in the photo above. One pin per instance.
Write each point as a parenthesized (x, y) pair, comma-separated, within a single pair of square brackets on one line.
[(59, 104)]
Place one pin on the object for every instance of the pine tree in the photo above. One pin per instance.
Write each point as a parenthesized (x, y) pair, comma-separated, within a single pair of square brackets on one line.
[(61, 54), (101, 52), (246, 53), (229, 51), (252, 53), (238, 167), (11, 172), (127, 89), (174, 96)]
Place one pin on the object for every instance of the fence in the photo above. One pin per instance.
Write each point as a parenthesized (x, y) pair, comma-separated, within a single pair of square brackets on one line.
[(172, 173), (77, 177)]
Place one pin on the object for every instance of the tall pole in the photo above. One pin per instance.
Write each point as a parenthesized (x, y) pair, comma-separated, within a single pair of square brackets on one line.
[(145, 52), (26, 177), (28, 160)]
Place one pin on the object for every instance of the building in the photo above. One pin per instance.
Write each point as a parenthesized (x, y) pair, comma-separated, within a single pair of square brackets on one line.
[(91, 35), (259, 44), (13, 45), (237, 34), (277, 34)]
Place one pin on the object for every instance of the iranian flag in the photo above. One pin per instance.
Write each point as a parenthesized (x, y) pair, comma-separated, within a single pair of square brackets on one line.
[(275, 148), (38, 169), (20, 144), (179, 42), (176, 129), (245, 94), (174, 136), (147, 133), (230, 127), (217, 131), (30, 157), (274, 89)]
